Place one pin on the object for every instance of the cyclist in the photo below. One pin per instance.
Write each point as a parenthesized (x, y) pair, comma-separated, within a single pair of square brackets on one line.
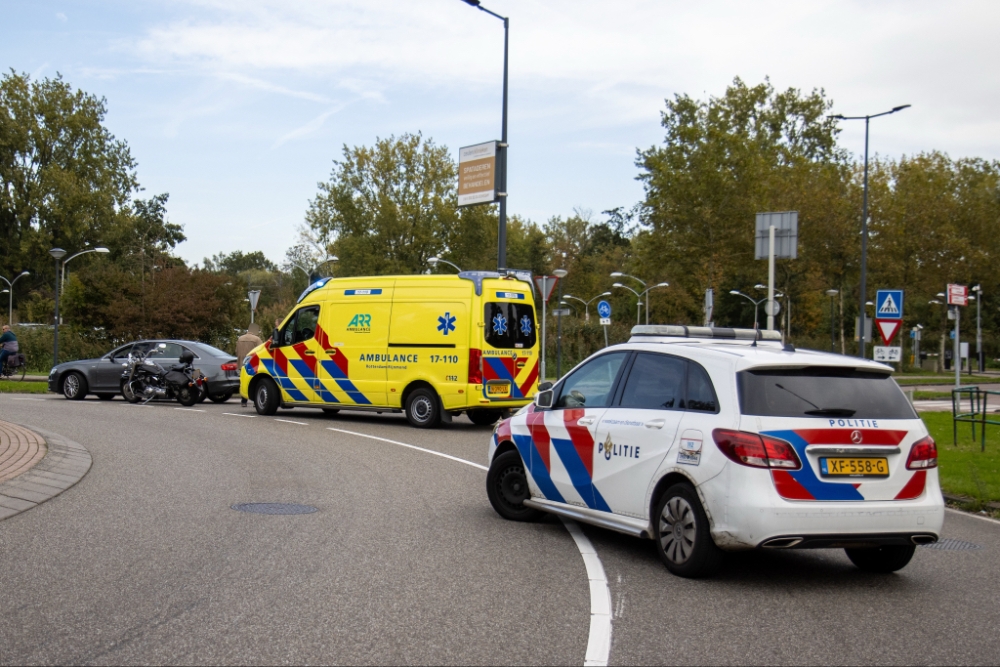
[(8, 344)]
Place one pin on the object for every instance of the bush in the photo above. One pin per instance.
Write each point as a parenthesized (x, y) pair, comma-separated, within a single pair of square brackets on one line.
[(35, 343)]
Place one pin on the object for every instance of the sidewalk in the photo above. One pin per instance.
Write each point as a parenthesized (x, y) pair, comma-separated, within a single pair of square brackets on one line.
[(34, 469)]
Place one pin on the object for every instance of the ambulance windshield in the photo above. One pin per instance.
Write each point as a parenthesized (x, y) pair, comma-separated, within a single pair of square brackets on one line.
[(510, 325)]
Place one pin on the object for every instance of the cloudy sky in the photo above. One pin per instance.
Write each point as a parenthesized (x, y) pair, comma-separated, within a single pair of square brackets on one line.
[(238, 107)]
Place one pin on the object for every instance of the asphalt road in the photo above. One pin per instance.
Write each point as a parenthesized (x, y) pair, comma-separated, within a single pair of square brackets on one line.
[(143, 561)]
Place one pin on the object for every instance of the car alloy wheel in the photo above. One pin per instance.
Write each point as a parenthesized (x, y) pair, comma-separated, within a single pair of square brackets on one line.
[(678, 530)]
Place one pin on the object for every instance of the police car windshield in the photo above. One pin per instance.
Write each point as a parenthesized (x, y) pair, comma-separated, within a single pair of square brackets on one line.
[(510, 325), (825, 392)]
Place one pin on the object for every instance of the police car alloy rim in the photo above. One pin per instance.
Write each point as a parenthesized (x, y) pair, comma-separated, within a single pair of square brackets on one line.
[(677, 530)]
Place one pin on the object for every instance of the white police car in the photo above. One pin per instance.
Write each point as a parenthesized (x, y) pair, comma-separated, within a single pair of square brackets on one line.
[(709, 440)]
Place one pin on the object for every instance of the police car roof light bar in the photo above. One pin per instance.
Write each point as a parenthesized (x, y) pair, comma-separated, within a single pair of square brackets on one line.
[(717, 333)]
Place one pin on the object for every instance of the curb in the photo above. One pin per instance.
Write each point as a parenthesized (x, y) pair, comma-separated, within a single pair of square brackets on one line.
[(65, 463)]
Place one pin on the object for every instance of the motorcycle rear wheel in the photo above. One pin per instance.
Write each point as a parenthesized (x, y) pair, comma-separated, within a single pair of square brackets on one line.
[(187, 396)]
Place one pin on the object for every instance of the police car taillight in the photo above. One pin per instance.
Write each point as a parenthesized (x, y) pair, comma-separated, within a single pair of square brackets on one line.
[(475, 366), (756, 451), (923, 455)]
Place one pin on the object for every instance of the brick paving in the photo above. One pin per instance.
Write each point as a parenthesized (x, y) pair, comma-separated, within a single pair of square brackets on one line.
[(34, 469), (20, 449)]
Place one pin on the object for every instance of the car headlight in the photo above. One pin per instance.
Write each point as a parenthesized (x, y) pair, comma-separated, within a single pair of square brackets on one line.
[(53, 371)]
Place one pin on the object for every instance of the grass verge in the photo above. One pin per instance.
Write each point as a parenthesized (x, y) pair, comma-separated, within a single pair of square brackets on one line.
[(964, 470), (26, 387)]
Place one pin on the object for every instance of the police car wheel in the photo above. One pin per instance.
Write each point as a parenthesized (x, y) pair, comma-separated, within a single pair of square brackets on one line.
[(882, 560), (74, 387), (422, 408), (265, 397), (484, 417), (681, 532), (507, 488)]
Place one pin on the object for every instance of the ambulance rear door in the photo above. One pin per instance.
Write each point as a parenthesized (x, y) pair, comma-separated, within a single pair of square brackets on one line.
[(510, 354)]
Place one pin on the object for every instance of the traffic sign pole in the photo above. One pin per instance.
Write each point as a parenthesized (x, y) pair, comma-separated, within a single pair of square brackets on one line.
[(604, 312)]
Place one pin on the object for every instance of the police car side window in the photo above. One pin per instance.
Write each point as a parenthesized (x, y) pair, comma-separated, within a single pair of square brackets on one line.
[(700, 392), (656, 382), (590, 385)]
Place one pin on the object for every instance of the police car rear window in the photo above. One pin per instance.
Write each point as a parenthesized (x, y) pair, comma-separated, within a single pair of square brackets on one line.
[(509, 325), (823, 392)]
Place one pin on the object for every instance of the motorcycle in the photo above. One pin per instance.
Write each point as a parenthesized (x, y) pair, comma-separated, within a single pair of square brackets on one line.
[(144, 379)]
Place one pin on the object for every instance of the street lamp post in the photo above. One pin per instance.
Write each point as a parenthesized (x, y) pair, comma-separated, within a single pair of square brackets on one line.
[(502, 183), (864, 223), (560, 274), (10, 291), (833, 331), (62, 274), (586, 304), (433, 261), (639, 295), (57, 254), (619, 274), (980, 361), (756, 303)]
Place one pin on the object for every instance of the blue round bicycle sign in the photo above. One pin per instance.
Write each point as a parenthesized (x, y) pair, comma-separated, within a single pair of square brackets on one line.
[(603, 309)]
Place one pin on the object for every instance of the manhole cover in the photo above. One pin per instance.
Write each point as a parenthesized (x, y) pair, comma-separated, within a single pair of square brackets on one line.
[(274, 508), (952, 545)]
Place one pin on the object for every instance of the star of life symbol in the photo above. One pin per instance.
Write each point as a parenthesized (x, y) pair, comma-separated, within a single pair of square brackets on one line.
[(500, 324), (446, 323), (526, 325)]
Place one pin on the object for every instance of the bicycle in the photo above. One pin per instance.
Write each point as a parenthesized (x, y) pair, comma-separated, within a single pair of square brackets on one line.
[(14, 368)]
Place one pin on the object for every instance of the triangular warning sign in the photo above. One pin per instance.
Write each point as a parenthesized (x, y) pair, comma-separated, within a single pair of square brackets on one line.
[(545, 285), (888, 329), (888, 306)]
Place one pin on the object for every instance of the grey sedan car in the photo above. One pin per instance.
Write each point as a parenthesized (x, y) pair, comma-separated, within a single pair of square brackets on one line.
[(76, 379)]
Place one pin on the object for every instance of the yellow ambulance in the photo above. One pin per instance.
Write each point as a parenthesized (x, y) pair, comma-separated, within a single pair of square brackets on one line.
[(430, 346)]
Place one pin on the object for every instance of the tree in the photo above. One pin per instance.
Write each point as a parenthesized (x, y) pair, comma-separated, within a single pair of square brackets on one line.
[(64, 178), (237, 262)]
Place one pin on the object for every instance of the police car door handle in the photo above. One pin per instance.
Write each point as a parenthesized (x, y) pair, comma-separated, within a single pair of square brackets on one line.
[(656, 423), (585, 421)]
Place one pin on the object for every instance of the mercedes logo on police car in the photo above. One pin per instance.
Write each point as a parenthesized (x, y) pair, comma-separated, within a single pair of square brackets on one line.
[(856, 437)]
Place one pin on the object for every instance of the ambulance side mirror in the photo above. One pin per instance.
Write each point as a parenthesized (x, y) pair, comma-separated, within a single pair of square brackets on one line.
[(274, 337), (543, 399)]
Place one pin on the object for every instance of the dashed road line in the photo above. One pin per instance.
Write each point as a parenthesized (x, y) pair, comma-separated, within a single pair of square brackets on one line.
[(289, 421), (190, 409), (233, 414), (29, 399), (599, 639)]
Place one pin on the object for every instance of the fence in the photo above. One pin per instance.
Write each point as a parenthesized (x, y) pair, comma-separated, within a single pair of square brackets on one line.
[(978, 408)]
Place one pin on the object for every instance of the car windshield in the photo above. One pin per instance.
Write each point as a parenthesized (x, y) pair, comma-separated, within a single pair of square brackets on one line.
[(826, 392)]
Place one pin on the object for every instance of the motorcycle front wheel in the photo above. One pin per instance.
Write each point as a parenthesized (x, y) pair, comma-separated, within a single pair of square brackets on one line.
[(128, 391), (187, 396)]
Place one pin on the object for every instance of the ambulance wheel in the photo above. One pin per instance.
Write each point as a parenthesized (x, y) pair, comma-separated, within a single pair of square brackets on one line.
[(681, 532), (265, 397), (882, 560), (485, 417), (507, 488), (422, 408)]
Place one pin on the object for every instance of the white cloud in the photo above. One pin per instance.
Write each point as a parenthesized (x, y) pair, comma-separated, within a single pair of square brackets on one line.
[(62, 17)]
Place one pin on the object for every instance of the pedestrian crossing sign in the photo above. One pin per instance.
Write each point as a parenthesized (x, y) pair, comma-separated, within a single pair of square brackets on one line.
[(889, 304)]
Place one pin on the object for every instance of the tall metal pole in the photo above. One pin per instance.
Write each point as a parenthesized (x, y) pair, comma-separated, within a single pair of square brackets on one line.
[(979, 332), (864, 253), (559, 338), (833, 331), (545, 293), (957, 350), (502, 231), (55, 337), (770, 279), (647, 306)]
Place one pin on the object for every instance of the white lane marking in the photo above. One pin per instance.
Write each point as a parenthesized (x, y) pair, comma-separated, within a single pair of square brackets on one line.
[(974, 516), (289, 421), (233, 414), (403, 444), (30, 399), (189, 409), (599, 639)]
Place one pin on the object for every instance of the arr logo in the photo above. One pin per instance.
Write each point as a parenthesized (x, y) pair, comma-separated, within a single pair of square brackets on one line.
[(360, 323)]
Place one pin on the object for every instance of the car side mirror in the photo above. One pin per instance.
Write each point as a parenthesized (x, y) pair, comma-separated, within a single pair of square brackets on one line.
[(162, 346), (544, 386), (543, 399), (274, 336)]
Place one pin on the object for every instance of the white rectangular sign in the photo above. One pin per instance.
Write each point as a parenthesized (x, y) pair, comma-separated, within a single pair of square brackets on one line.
[(606, 321), (888, 353), (477, 174)]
